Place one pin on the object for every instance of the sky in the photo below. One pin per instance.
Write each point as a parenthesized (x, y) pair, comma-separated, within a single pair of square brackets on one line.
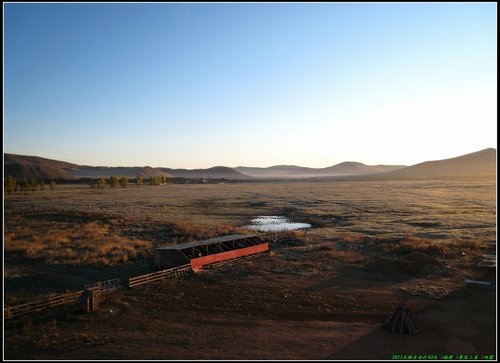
[(197, 85)]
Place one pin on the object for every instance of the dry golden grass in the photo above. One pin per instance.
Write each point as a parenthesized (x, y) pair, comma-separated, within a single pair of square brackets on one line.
[(432, 247), (95, 242), (191, 231), (72, 243), (409, 244), (327, 252)]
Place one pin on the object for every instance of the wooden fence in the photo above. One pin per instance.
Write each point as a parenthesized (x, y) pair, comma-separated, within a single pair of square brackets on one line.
[(17, 310), (101, 287), (104, 287), (159, 275)]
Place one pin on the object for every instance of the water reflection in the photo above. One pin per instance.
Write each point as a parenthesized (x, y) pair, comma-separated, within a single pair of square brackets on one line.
[(275, 224)]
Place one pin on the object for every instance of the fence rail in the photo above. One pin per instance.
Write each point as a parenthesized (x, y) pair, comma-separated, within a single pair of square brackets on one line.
[(159, 275), (101, 287), (105, 287), (17, 310)]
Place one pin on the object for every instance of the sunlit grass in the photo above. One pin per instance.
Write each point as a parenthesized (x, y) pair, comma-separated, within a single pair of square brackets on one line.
[(72, 243)]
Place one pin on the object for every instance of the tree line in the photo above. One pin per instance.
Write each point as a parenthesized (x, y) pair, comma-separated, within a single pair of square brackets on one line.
[(12, 185), (114, 181)]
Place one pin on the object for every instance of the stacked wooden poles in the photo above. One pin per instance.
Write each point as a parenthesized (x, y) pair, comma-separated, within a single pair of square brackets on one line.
[(401, 321)]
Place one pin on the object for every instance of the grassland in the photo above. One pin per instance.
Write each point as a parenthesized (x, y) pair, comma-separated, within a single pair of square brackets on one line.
[(368, 241)]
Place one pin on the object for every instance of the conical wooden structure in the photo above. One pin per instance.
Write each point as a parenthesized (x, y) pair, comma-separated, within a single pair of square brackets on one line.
[(401, 321)]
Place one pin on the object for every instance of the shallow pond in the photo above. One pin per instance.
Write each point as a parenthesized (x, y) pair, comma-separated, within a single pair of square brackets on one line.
[(275, 224)]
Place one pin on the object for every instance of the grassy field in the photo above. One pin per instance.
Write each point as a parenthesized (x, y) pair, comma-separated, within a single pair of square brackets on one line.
[(138, 217), (62, 239), (75, 225)]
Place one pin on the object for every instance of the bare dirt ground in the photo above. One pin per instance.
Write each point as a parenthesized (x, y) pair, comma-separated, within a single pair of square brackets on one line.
[(320, 295)]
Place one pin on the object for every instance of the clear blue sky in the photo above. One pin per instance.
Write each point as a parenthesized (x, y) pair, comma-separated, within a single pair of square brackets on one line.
[(195, 85)]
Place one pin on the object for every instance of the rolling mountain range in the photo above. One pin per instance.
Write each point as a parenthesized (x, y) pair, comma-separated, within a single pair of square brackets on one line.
[(481, 163), (478, 164)]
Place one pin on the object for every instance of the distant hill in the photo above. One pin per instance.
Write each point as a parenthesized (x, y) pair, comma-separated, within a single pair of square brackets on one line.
[(217, 172), (85, 171), (474, 165), (278, 171), (293, 171), (354, 168), (478, 164), (20, 166)]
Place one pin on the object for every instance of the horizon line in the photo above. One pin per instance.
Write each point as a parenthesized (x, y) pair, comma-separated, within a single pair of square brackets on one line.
[(234, 167)]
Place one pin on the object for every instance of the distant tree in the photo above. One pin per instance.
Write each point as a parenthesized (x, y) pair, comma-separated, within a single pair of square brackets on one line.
[(163, 179), (10, 184), (42, 185), (52, 185), (25, 185), (101, 183), (33, 184), (139, 180), (113, 181), (124, 181), (155, 180)]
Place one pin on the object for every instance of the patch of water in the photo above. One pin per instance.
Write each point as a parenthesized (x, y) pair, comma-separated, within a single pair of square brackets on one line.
[(275, 224)]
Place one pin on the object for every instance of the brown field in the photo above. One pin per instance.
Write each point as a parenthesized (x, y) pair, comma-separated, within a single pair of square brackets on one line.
[(320, 294)]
